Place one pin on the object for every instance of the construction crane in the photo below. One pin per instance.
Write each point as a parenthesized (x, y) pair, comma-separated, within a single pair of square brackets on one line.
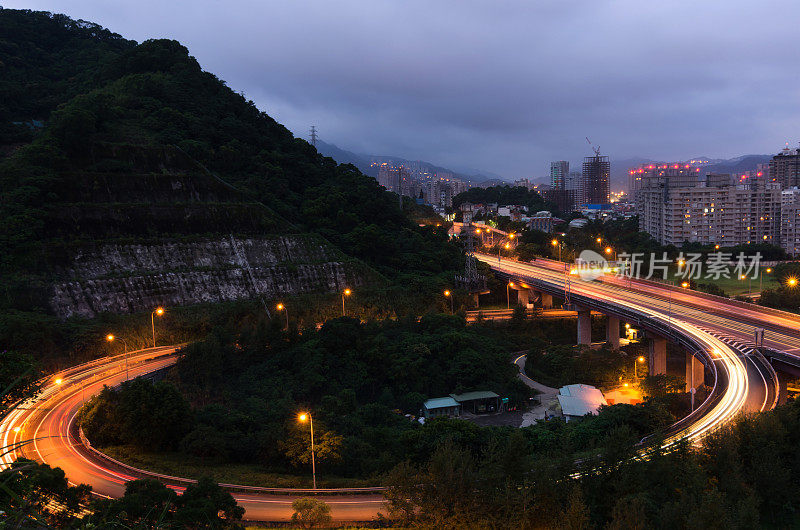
[(595, 149)]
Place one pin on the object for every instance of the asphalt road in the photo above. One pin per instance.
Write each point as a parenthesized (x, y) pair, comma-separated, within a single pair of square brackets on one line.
[(49, 421)]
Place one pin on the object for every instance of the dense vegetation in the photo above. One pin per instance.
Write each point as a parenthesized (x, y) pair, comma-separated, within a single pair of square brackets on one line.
[(503, 196), (235, 397), (111, 116), (744, 476), (38, 496), (787, 295), (247, 385)]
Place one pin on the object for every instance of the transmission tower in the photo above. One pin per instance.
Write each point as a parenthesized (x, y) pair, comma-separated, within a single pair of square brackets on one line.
[(471, 280), (313, 136)]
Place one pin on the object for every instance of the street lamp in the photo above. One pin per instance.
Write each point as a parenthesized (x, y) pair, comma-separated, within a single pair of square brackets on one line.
[(685, 285), (508, 295), (749, 291), (639, 359), (761, 279), (791, 282), (449, 295), (112, 338), (557, 243), (303, 417), (609, 250), (599, 240), (159, 311), (346, 292), (281, 307)]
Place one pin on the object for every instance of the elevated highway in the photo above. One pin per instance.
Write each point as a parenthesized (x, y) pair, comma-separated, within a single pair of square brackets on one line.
[(715, 334)]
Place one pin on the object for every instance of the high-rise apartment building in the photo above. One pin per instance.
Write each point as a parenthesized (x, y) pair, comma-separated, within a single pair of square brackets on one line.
[(559, 171), (595, 177), (396, 179), (574, 182), (790, 221), (784, 168), (659, 176), (713, 211)]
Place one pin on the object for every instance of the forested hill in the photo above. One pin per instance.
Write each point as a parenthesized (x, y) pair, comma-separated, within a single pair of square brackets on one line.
[(109, 142)]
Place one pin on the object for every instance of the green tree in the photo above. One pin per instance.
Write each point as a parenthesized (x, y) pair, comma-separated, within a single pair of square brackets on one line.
[(310, 512)]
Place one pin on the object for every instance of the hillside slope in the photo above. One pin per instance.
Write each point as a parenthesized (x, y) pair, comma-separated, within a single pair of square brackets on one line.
[(153, 182)]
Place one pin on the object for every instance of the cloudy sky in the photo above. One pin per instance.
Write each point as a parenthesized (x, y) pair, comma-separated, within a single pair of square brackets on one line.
[(500, 85)]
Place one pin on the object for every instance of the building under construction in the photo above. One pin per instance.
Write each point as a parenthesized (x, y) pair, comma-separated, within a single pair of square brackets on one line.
[(595, 177)]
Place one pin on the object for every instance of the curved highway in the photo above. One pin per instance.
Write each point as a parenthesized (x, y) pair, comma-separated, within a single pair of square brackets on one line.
[(45, 430), (717, 333)]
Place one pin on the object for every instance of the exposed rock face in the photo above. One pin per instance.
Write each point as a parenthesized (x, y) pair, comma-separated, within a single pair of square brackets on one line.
[(121, 278)]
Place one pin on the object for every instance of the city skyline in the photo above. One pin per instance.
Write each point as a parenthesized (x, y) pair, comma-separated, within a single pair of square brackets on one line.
[(690, 87)]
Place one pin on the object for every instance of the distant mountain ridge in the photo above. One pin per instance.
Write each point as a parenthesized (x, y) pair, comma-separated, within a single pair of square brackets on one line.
[(364, 164)]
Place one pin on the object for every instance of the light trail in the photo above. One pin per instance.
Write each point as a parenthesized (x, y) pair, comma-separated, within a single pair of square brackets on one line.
[(48, 426), (657, 310)]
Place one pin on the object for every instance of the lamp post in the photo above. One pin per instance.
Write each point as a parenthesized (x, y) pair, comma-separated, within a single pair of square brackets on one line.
[(281, 307), (303, 417), (639, 359), (449, 295), (768, 270), (508, 295), (158, 311), (749, 291), (557, 243), (609, 250), (346, 292), (112, 338)]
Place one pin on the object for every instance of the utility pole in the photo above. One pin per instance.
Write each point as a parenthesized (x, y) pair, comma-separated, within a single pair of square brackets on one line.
[(314, 136)]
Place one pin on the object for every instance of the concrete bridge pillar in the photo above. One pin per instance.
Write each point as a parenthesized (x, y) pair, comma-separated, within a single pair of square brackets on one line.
[(658, 356), (584, 326), (783, 391), (523, 297), (612, 331), (547, 300), (695, 372)]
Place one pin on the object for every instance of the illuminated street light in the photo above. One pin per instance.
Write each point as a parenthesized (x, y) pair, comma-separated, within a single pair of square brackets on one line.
[(685, 285), (716, 247), (791, 282), (448, 294), (281, 307), (159, 311), (639, 359), (346, 292), (609, 250), (599, 239), (557, 243), (761, 279), (508, 295), (112, 338), (303, 417)]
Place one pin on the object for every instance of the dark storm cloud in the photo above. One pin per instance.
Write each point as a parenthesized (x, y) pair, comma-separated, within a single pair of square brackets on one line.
[(502, 85)]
